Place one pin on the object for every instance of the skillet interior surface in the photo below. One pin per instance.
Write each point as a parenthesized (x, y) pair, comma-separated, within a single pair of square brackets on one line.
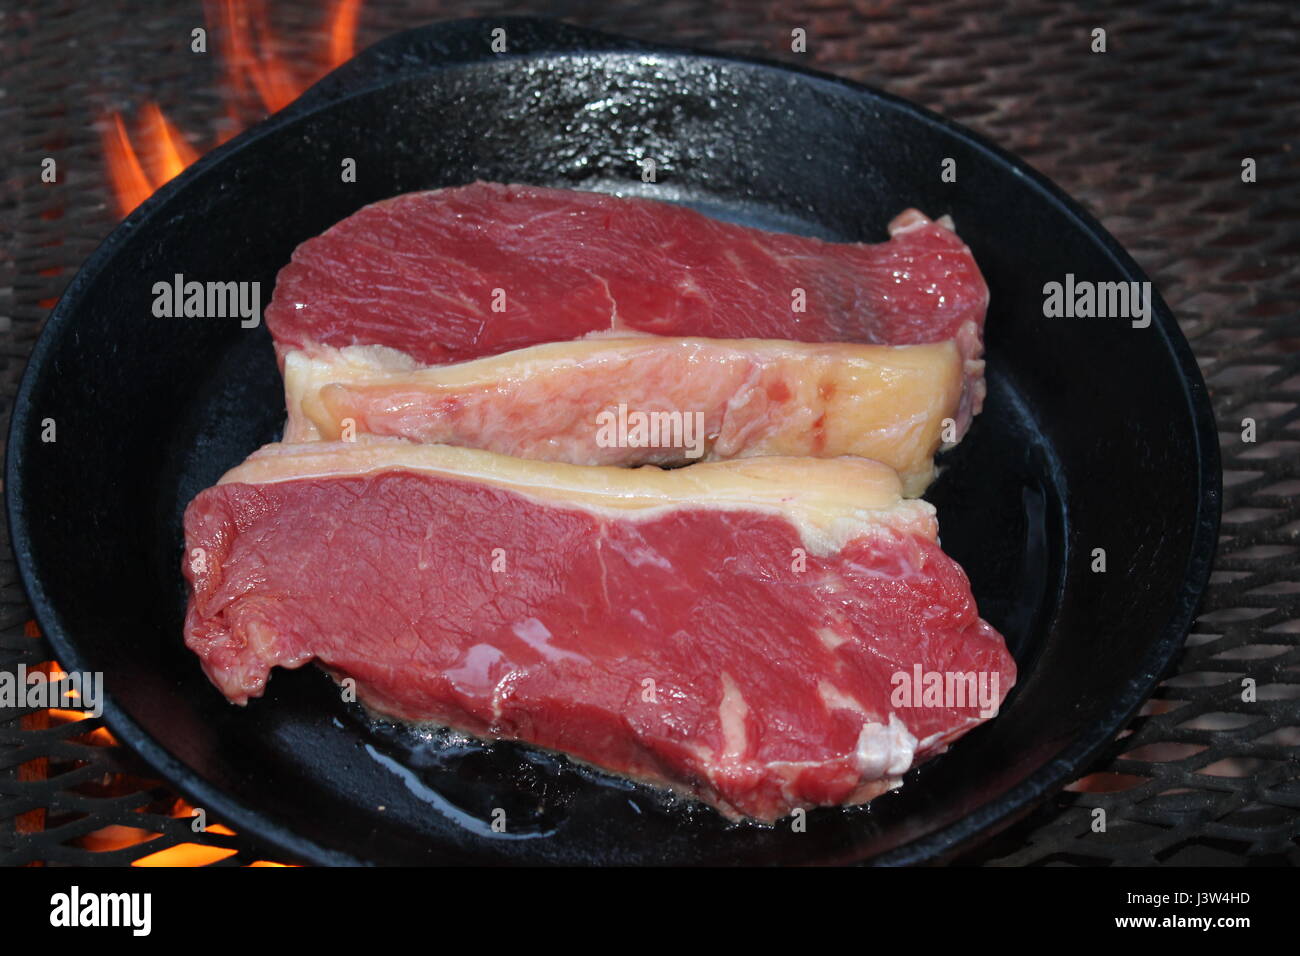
[(1096, 434)]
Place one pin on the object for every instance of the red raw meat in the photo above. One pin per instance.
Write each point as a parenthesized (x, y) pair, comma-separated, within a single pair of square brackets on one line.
[(420, 273), (773, 603)]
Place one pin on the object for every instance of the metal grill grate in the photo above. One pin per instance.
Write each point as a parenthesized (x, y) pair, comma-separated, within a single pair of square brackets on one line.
[(1150, 136)]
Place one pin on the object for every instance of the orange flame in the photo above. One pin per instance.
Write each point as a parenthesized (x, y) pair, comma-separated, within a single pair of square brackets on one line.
[(343, 32), (256, 76), (174, 152), (251, 65), (165, 152), (130, 184), (250, 56)]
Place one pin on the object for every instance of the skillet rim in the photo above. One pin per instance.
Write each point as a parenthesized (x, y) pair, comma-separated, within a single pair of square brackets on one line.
[(558, 43)]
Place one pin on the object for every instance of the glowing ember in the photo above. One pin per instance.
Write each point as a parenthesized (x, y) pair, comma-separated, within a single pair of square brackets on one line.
[(115, 836), (186, 854)]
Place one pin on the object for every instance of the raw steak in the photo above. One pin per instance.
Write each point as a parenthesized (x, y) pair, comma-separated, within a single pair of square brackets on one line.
[(476, 270), (736, 630), (629, 401)]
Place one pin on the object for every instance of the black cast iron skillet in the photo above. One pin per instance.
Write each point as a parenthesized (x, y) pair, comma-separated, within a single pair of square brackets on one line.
[(1095, 435)]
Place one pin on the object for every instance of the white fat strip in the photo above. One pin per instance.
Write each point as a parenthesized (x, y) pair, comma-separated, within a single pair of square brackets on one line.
[(536, 635), (639, 556), (836, 699), (906, 221), (830, 638), (884, 751), (731, 715), (474, 670)]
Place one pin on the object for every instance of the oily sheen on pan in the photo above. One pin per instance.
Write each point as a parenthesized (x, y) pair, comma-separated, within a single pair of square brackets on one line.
[(733, 630)]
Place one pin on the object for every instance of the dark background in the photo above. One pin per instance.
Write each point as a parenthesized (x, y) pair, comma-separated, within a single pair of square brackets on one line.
[(1150, 136)]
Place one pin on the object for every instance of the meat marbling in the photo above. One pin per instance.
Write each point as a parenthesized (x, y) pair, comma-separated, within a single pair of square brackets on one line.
[(471, 271), (733, 630), (719, 398)]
